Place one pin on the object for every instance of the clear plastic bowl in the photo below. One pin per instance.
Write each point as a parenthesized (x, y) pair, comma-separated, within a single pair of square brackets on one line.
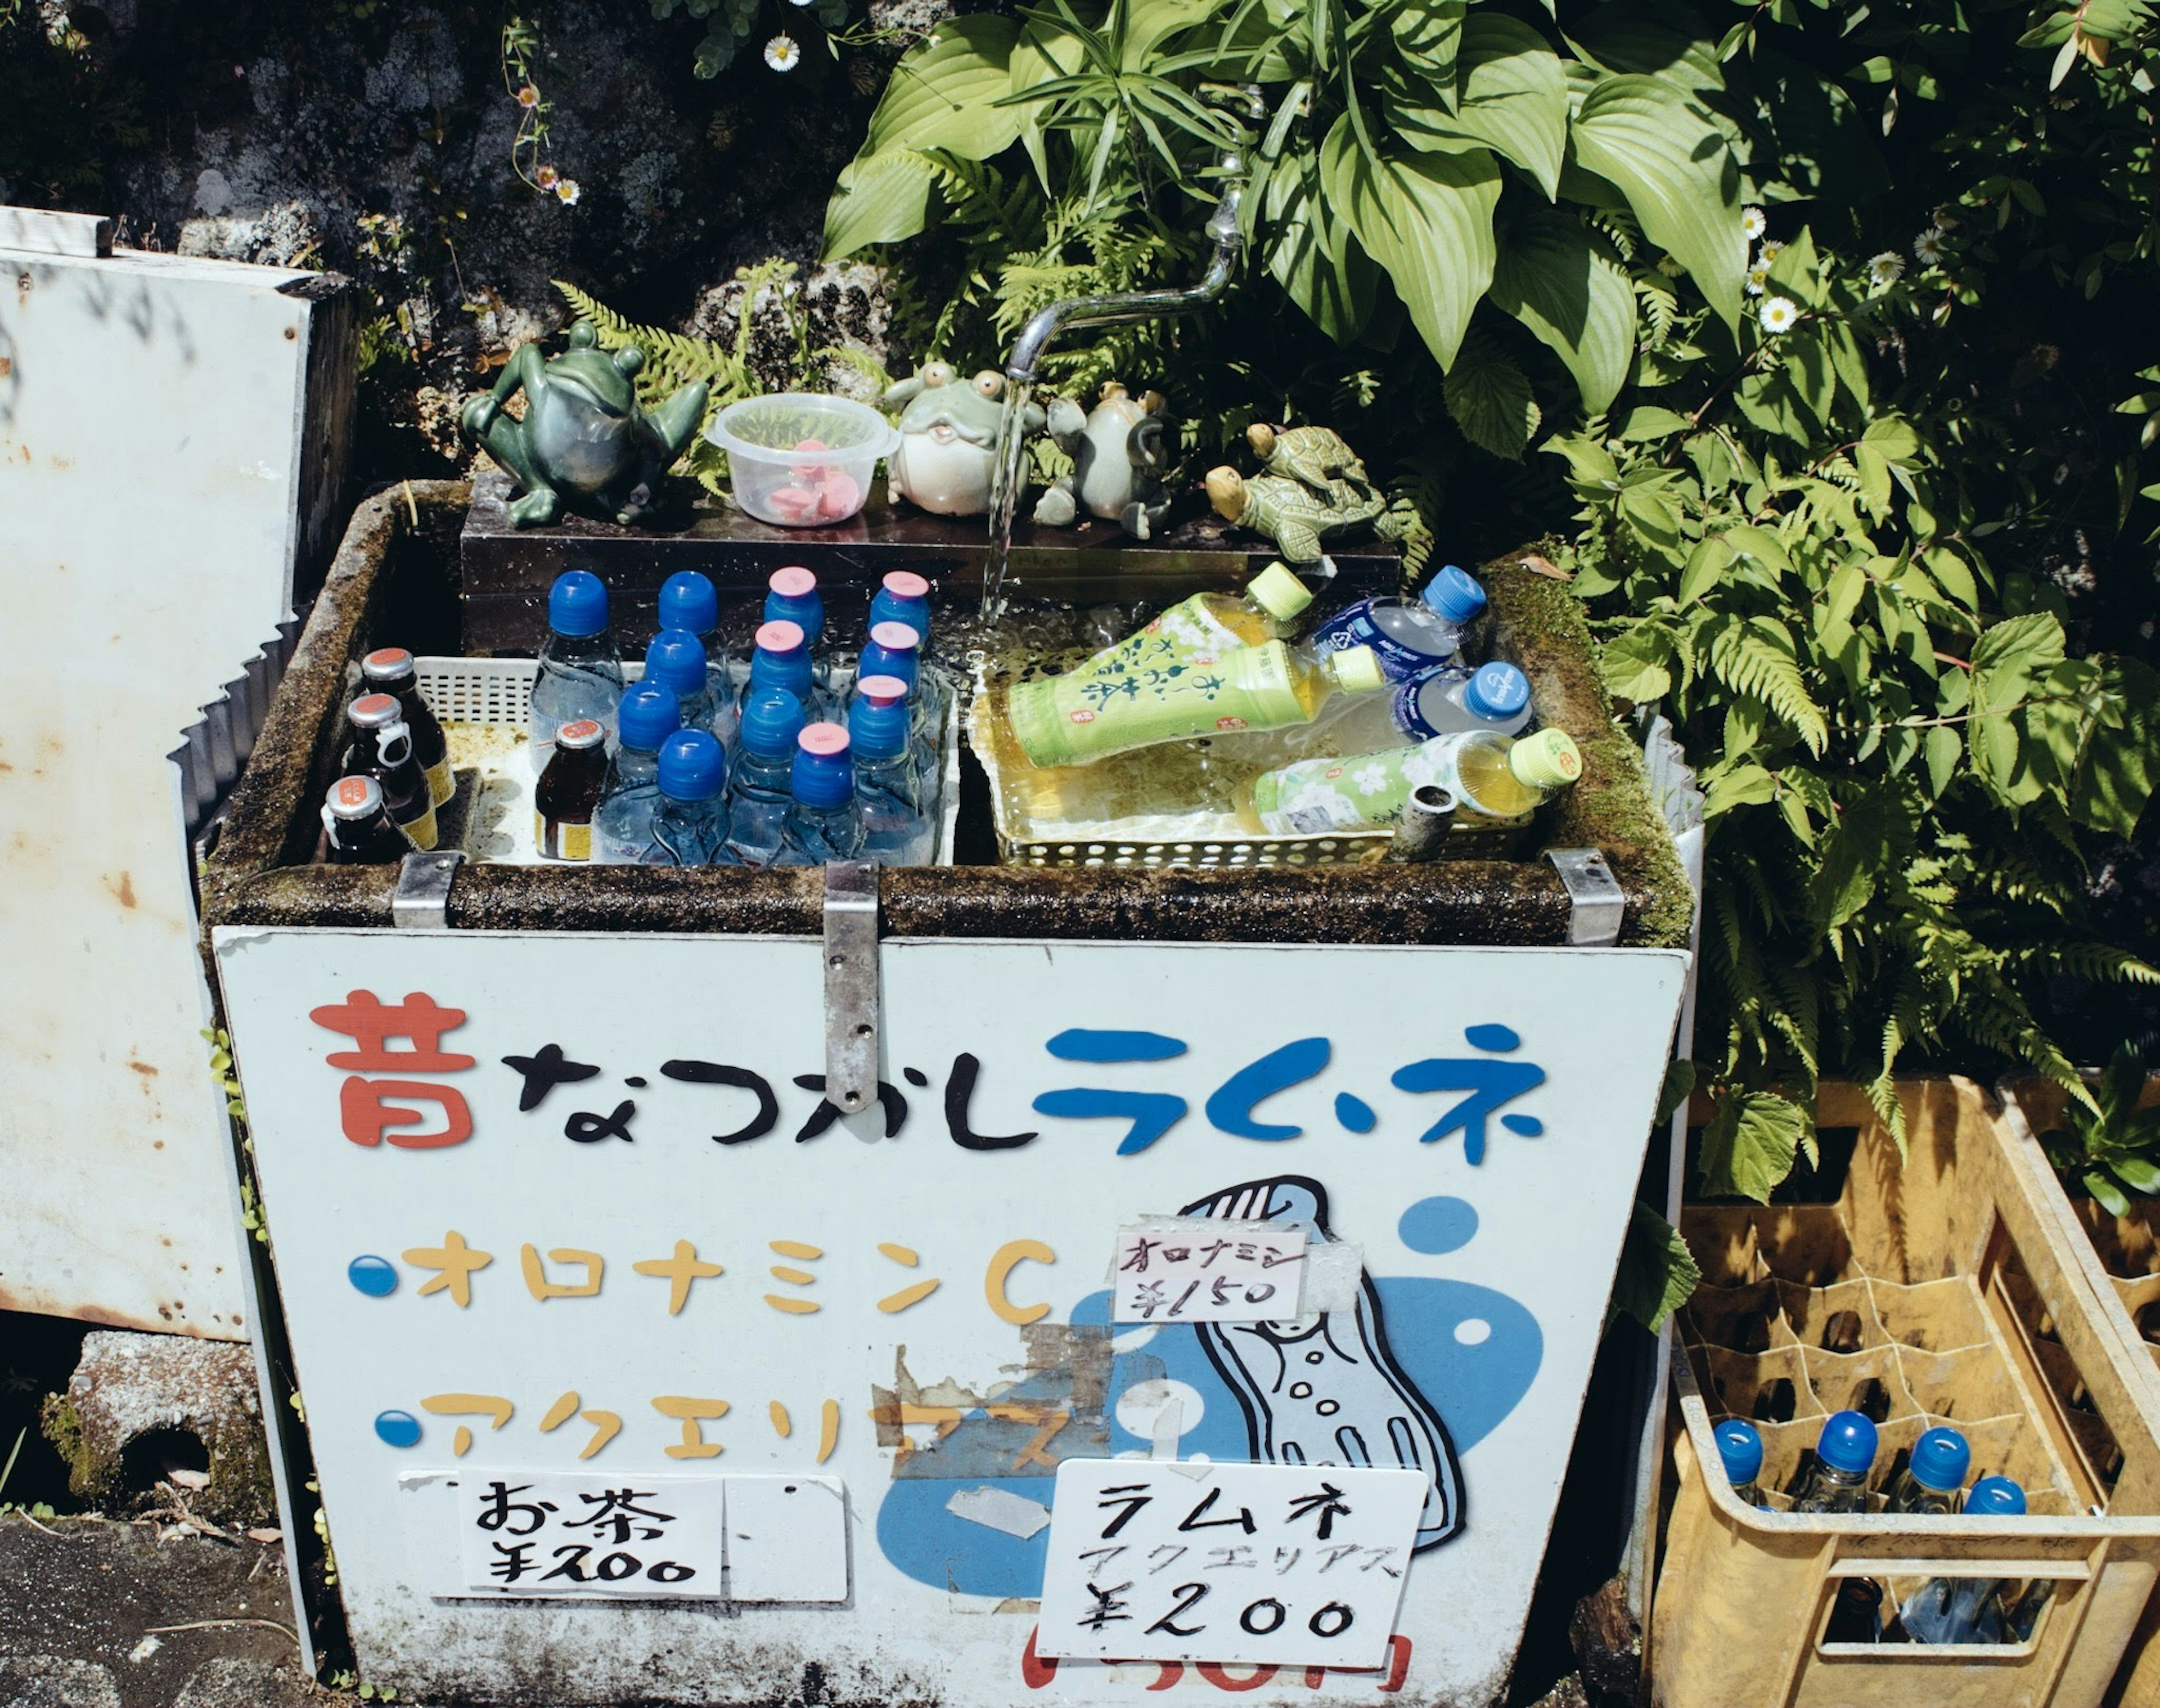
[(798, 459)]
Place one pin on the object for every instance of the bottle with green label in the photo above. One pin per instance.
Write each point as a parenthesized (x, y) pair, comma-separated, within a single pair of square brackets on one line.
[(1207, 624), (1497, 780), (1079, 719)]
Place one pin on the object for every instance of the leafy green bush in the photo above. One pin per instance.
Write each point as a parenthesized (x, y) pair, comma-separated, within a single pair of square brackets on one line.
[(2113, 1147)]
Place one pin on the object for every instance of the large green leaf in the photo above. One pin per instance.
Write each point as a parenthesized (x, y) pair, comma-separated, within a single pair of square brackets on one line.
[(1749, 1145), (1552, 277), (1047, 49), (1148, 23), (1657, 1272), (1427, 37), (941, 92), (1427, 219), (1336, 290), (1618, 36), (1666, 153), (879, 200), (1490, 399), (1514, 95)]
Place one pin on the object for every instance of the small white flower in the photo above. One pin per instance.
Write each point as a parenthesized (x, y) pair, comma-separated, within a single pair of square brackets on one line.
[(567, 190), (1928, 246), (1778, 314), (1758, 277), (781, 54), (1753, 225), (1886, 269), (1370, 779), (1770, 250)]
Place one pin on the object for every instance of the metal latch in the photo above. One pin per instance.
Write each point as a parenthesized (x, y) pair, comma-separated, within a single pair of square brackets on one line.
[(1597, 902), (851, 984), (422, 900)]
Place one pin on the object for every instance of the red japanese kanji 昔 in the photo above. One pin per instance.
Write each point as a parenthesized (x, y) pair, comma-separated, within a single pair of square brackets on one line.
[(365, 1111)]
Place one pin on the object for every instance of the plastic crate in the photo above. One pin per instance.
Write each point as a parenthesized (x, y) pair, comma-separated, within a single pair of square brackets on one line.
[(1956, 1244)]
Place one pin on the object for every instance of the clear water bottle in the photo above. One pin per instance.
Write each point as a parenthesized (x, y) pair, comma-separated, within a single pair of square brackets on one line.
[(1450, 701), (895, 649), (1410, 636), (888, 787), (622, 825), (580, 670), (1844, 1456), (761, 788), (821, 824), (688, 600), (690, 824), (676, 660), (1966, 1609), (1932, 1476), (781, 659), (1740, 1449), (791, 596)]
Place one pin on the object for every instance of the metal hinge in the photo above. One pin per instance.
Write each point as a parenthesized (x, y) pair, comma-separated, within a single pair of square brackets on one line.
[(422, 899), (1597, 902), (851, 984)]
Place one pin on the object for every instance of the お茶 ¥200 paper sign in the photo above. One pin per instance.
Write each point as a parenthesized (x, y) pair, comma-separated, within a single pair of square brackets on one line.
[(569, 1215)]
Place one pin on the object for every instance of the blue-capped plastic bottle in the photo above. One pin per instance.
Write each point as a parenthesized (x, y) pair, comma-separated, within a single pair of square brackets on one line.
[(895, 649), (888, 787), (622, 826), (676, 660), (1966, 1609), (791, 596), (690, 824), (579, 674), (761, 787), (903, 597), (821, 824), (1933, 1474), (1450, 701), (1845, 1454), (781, 658), (689, 600), (1740, 1450), (1410, 636)]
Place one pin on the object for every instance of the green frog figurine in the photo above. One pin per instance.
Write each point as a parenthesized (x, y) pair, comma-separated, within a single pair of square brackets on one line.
[(1313, 490), (584, 441)]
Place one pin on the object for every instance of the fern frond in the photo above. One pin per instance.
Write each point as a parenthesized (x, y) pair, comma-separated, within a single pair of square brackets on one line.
[(1755, 655)]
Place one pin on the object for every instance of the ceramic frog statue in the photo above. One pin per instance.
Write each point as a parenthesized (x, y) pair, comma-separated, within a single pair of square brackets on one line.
[(1120, 450), (584, 442), (948, 437), (1313, 490)]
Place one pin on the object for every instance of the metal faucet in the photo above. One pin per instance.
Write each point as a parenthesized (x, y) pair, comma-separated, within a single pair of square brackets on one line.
[(1081, 312)]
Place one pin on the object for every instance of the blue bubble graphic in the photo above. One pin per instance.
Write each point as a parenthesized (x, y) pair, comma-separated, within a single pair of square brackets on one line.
[(1529, 1126), (1354, 1112), (397, 1428), (1436, 1226), (375, 1276), (1493, 1036)]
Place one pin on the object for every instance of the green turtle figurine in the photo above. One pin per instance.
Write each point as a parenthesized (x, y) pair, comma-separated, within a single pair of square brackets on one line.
[(584, 441), (1313, 490)]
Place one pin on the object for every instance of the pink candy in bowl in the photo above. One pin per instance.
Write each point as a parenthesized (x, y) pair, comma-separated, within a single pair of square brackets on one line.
[(800, 460)]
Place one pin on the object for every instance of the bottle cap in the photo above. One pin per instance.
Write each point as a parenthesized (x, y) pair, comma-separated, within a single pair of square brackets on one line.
[(1357, 669), (1995, 1497), (1549, 760), (905, 583), (692, 767), (1497, 691), (647, 715), (779, 636), (894, 651), (386, 664), (794, 582), (878, 721), (688, 601), (895, 638), (577, 604), (771, 720), (823, 775), (1455, 595), (1279, 593), (1847, 1443), (1740, 1448), (580, 733), (374, 711), (354, 798), (1940, 1459), (676, 660)]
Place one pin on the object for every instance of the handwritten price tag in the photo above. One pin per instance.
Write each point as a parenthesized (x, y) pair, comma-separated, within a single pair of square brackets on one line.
[(1197, 1269)]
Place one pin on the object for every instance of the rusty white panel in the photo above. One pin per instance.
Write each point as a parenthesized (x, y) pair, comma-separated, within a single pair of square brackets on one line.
[(572, 1204), (150, 464)]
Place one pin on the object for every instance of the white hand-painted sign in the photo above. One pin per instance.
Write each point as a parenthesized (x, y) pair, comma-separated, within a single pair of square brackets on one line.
[(1274, 1565), (575, 1205), (1193, 1269)]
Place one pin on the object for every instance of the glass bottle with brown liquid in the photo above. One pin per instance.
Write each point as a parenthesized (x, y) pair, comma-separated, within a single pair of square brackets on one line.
[(569, 790), (390, 670), (381, 748), (356, 826)]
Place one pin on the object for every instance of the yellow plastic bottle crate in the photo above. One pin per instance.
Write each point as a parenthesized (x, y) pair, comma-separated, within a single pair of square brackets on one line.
[(1972, 1312)]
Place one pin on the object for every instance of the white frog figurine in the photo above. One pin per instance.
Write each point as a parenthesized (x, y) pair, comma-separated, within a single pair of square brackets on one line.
[(948, 437), (1121, 450)]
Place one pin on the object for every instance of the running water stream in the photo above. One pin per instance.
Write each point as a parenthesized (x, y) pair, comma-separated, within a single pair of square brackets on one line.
[(1008, 485)]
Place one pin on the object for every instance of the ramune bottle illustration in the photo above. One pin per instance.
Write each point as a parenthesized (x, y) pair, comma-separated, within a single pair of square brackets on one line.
[(689, 825), (821, 824), (1845, 1454), (1408, 636), (888, 788), (579, 673), (763, 790)]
